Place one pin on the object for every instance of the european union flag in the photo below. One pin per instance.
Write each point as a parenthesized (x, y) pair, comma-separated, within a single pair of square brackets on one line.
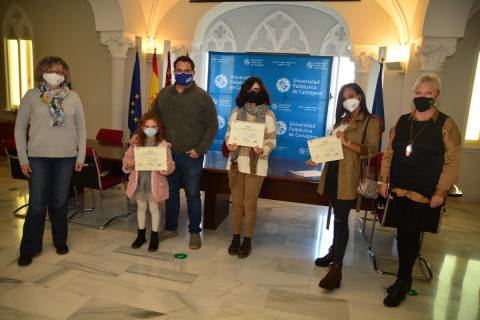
[(135, 102), (377, 108)]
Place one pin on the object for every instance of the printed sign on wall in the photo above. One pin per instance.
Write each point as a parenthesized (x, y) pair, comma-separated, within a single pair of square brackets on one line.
[(299, 87)]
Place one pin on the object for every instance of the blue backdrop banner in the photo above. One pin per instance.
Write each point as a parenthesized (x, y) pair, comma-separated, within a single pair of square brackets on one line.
[(299, 87)]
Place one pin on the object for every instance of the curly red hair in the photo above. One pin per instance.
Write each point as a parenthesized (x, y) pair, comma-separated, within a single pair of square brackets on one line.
[(141, 135)]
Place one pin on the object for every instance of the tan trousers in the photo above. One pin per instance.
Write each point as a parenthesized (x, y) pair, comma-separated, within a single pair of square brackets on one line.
[(245, 189)]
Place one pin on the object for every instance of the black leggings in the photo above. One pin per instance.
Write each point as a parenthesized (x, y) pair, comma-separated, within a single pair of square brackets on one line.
[(341, 210), (408, 235), (408, 245)]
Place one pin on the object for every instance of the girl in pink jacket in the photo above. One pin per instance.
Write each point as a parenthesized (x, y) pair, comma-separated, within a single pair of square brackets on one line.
[(147, 186)]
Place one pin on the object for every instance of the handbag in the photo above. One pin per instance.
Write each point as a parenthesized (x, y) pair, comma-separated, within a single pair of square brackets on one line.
[(225, 151), (367, 188)]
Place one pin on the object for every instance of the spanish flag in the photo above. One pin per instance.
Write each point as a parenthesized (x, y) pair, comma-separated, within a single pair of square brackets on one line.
[(154, 81)]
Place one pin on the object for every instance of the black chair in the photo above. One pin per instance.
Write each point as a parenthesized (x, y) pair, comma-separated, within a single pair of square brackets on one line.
[(378, 212), (95, 178), (15, 168)]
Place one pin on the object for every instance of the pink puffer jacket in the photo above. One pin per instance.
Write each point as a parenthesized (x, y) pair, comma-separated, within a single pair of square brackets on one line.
[(159, 181)]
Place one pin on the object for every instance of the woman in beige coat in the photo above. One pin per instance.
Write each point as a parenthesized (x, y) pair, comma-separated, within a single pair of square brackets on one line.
[(359, 133)]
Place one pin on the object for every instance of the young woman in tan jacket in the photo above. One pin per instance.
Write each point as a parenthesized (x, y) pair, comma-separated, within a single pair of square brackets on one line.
[(359, 133)]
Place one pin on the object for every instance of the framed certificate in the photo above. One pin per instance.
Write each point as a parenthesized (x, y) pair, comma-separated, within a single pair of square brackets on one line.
[(247, 134), (325, 149), (150, 158)]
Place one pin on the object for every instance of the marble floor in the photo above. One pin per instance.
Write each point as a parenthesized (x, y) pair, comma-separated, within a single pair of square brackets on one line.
[(103, 278)]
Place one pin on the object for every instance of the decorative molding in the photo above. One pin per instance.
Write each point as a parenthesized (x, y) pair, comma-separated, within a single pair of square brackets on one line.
[(181, 50), (434, 51), (336, 42), (16, 24), (218, 10), (401, 22), (278, 32), (362, 61), (220, 37), (117, 42)]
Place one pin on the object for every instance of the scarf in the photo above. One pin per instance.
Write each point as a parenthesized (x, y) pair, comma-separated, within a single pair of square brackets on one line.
[(53, 98), (260, 113)]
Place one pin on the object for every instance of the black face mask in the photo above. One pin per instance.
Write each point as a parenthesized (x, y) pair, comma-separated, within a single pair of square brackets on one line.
[(256, 97), (423, 103)]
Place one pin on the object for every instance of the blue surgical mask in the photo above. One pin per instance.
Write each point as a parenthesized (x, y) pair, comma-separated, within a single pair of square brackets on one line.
[(183, 79), (150, 132)]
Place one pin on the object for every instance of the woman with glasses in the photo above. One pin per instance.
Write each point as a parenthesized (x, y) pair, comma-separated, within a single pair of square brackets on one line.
[(51, 115)]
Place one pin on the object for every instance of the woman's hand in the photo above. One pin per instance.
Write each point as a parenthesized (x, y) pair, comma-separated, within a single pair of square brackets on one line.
[(232, 147), (436, 201), (78, 166), (26, 169), (342, 137), (258, 150), (383, 190), (311, 163)]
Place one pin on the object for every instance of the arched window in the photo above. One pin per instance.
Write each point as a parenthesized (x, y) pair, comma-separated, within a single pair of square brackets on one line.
[(17, 38)]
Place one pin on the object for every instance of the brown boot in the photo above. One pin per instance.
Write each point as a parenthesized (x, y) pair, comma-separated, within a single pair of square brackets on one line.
[(333, 278)]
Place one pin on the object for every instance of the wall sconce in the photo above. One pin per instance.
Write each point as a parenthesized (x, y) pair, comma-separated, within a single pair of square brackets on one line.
[(397, 58), (148, 47)]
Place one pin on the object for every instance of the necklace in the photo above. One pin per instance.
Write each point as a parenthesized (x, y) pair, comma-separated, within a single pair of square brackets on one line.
[(409, 148)]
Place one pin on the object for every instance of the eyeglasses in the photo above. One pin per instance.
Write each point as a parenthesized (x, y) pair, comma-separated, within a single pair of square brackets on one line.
[(57, 71)]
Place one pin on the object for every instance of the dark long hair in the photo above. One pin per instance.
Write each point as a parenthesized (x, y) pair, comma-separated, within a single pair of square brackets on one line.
[(342, 113), (246, 86), (141, 135)]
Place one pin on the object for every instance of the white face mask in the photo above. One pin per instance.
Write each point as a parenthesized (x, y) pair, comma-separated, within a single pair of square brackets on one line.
[(351, 104), (53, 79)]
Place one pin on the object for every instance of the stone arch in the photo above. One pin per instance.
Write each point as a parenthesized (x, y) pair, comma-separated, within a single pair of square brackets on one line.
[(16, 24), (220, 38), (279, 32)]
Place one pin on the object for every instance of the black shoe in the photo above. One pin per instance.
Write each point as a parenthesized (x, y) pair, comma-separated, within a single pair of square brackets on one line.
[(393, 285), (326, 260), (153, 246), (62, 249), (140, 239), (397, 294), (24, 260), (245, 248), (233, 249)]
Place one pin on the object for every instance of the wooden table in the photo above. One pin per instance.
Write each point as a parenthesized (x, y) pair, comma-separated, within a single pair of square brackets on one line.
[(278, 185)]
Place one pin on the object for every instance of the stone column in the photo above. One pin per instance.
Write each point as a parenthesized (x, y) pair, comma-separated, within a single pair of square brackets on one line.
[(363, 62), (118, 44), (433, 51)]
